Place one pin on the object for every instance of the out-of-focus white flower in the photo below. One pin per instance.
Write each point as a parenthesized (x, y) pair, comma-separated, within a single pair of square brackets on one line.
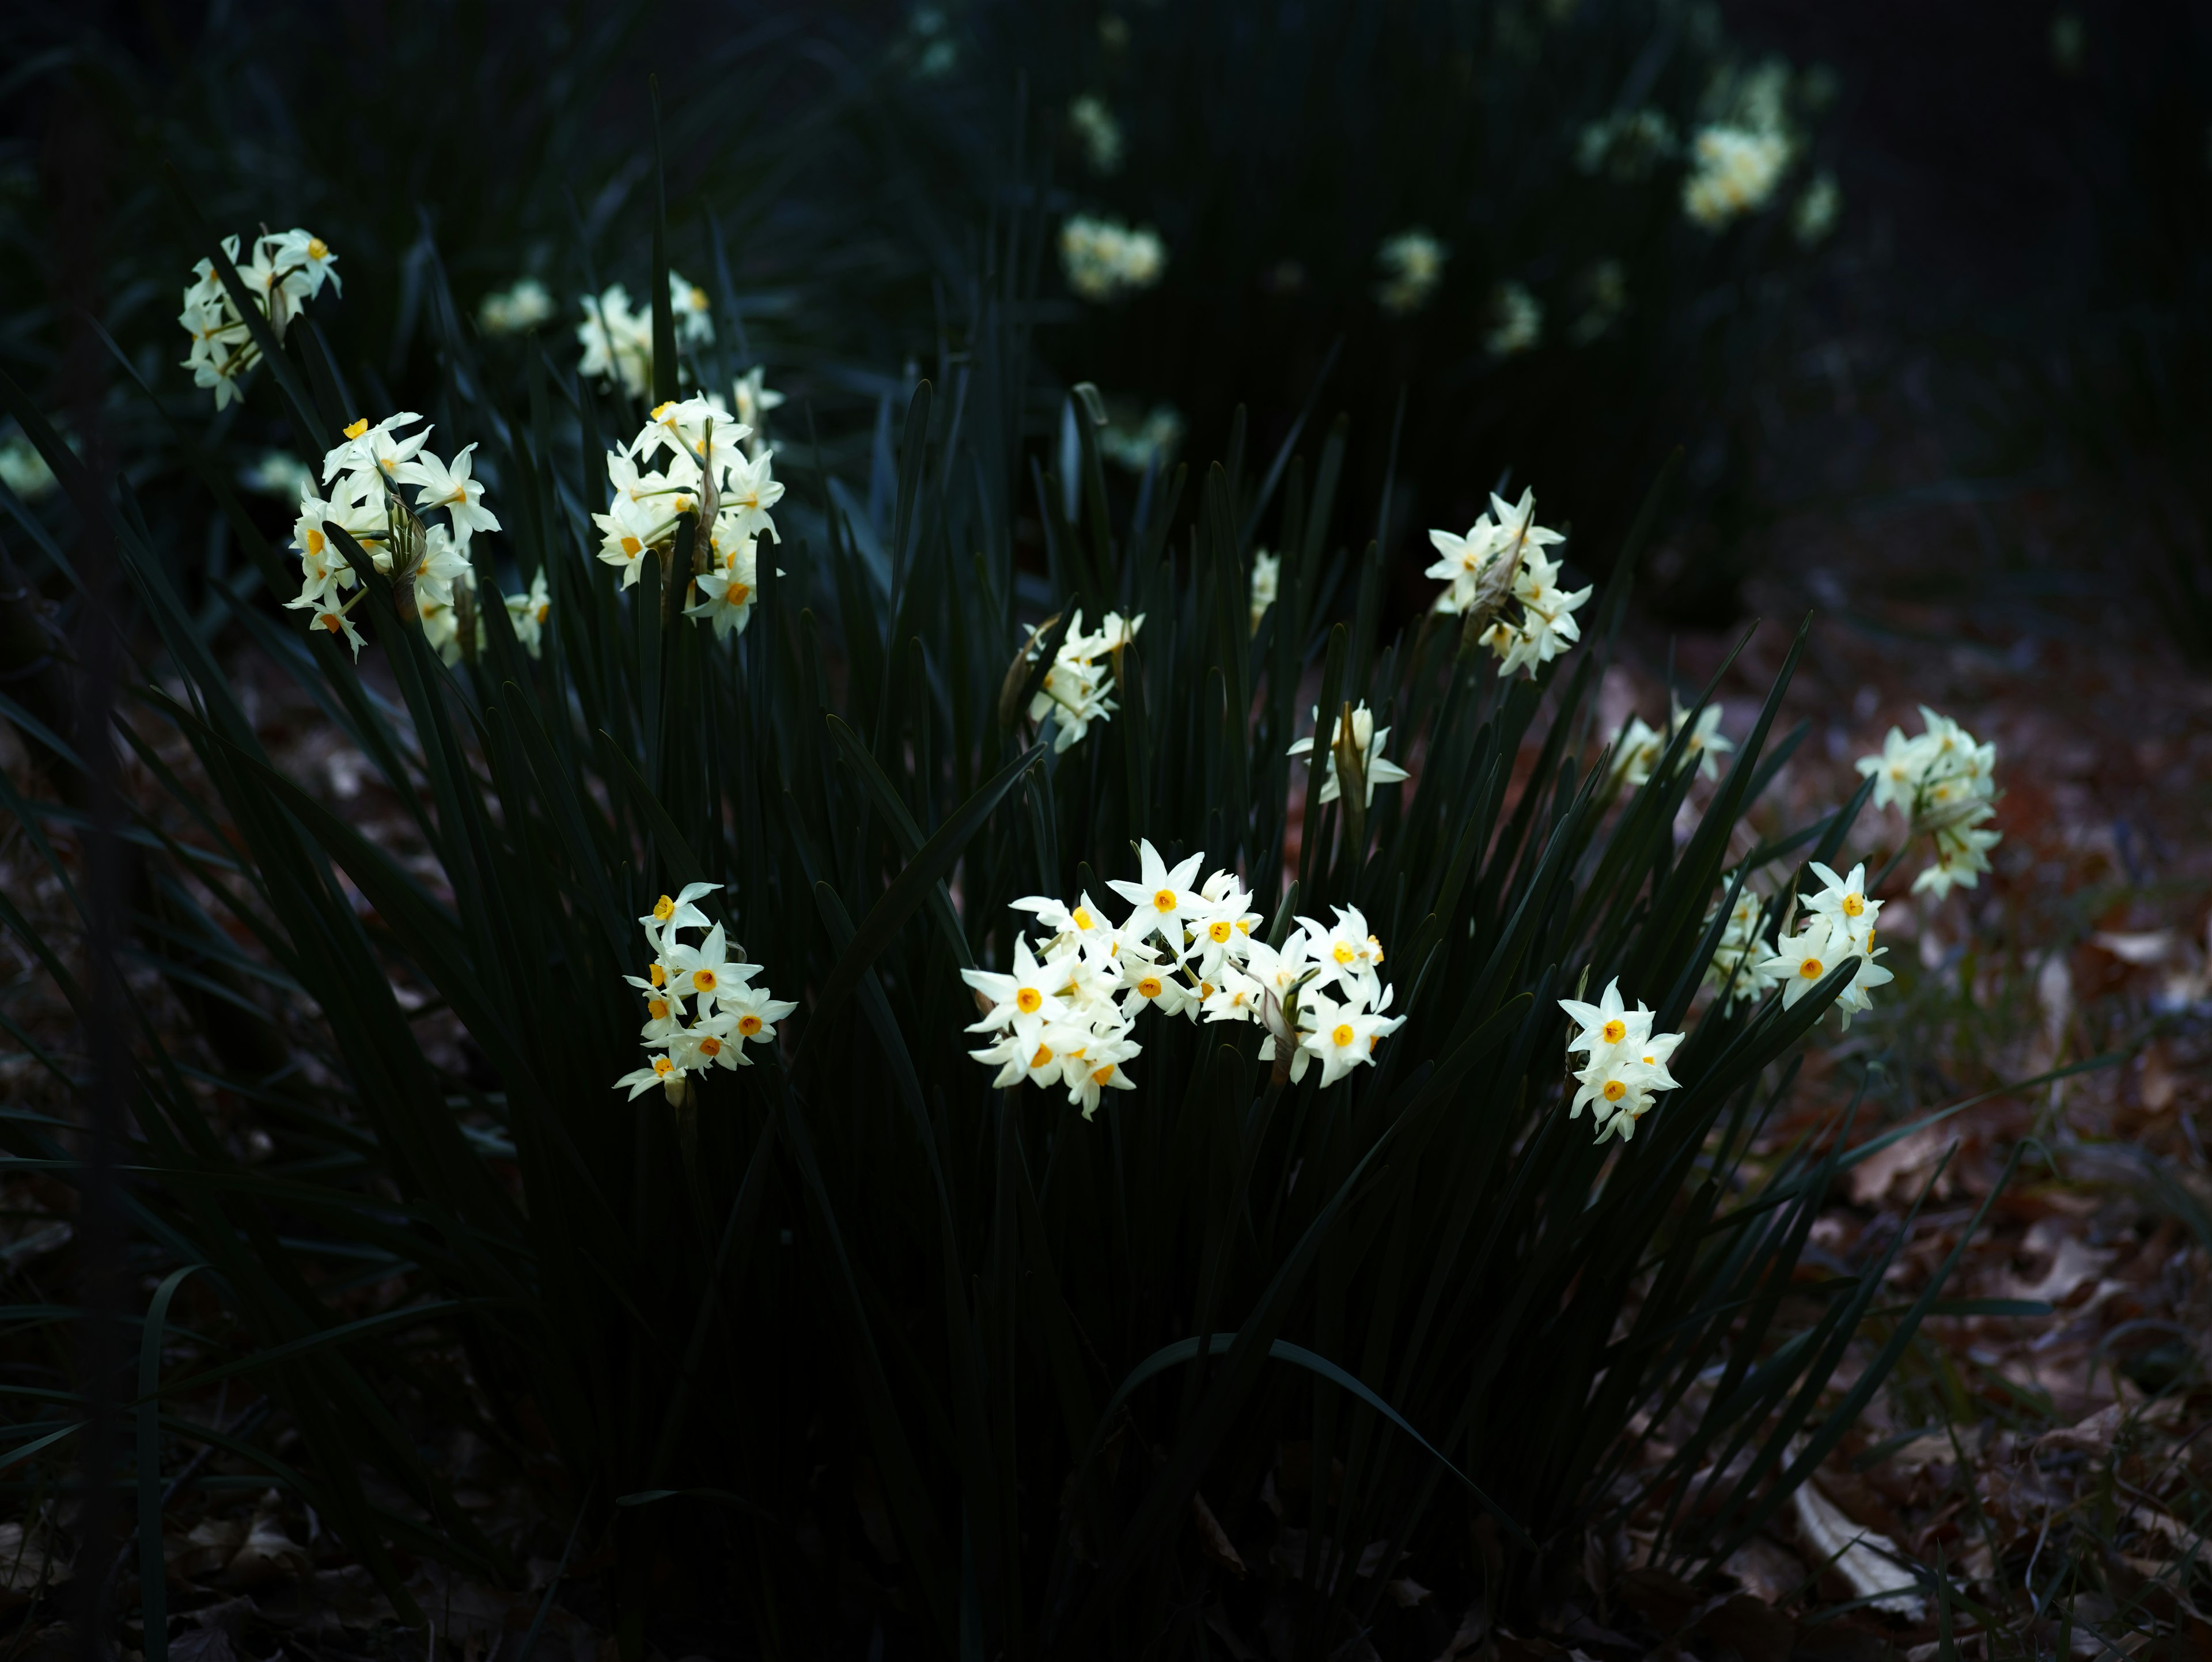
[(1267, 576), (1412, 263), (1152, 442), (1516, 321), (1366, 741), (1742, 971), (1946, 784), (1105, 259), (452, 487), (1820, 205), (1734, 172), (284, 270), (1637, 748), (701, 1008), (526, 615), (280, 474), (523, 305), (1605, 297), (617, 340), (1095, 129), (23, 470), (1627, 144), (750, 400), (1626, 1066)]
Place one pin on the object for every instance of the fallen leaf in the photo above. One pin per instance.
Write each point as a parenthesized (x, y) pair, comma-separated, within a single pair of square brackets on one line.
[(1213, 1540), (1863, 1558)]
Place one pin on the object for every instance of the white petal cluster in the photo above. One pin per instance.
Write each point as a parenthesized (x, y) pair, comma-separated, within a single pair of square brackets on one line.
[(1266, 582), (701, 1008), (1741, 972), (1076, 691), (1097, 130), (1367, 740), (1105, 259), (1065, 1014), (1516, 321), (1501, 559), (1627, 144), (1639, 746), (1412, 264), (617, 340), (689, 461), (280, 474), (285, 270), (1735, 171), (1152, 442), (1626, 1064), (1818, 209), (1946, 785), (367, 479), (525, 304), (1836, 924)]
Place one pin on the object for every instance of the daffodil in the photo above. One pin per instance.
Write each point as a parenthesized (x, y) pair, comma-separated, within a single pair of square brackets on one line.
[(1162, 894), (1367, 742)]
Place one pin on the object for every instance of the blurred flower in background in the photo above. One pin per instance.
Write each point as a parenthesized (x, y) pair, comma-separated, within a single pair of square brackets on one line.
[(512, 310), (1412, 263), (1105, 259), (1097, 131)]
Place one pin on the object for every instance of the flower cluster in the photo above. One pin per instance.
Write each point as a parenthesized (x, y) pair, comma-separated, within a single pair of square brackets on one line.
[(286, 270), (1741, 972), (1076, 690), (1637, 747), (1837, 925), (1150, 443), (527, 304), (1357, 734), (1097, 131), (617, 341), (1065, 1014), (1626, 1067), (1501, 559), (1946, 785), (706, 478), (1105, 259), (427, 565), (701, 1009), (1412, 264), (1627, 144), (1734, 172), (1516, 321)]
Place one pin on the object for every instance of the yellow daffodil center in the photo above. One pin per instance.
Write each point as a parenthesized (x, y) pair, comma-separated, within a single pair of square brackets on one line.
[(661, 410), (1810, 969), (749, 1024), (358, 428), (1148, 986), (1163, 900), (1615, 1090), (1615, 1030), (1649, 1062), (332, 622), (1341, 1034), (632, 546), (657, 1008), (1080, 917), (737, 593), (710, 1047), (314, 540), (1869, 941), (663, 908), (316, 247), (1043, 1055), (704, 980), (658, 976), (1343, 954), (1027, 1000), (1217, 932), (1374, 950), (663, 1066), (1099, 1077), (1853, 906), (698, 299), (1205, 990)]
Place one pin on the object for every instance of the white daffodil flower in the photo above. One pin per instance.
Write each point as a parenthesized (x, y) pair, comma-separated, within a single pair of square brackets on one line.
[(1368, 740), (1162, 896)]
